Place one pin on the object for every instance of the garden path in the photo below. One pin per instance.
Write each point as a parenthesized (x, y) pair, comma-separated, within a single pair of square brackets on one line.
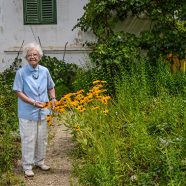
[(59, 147)]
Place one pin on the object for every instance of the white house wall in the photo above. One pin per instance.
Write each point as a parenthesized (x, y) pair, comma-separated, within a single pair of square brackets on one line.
[(52, 37)]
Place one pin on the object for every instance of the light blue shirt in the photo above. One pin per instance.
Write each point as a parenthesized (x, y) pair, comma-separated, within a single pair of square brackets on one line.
[(35, 84)]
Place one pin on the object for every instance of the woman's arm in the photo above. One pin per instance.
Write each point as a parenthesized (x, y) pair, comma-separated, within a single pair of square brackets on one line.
[(26, 99), (52, 94)]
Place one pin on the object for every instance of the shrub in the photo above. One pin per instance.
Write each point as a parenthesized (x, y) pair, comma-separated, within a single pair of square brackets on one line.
[(9, 138), (62, 73)]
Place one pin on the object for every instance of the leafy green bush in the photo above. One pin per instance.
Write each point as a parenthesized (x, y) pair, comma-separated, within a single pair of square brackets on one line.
[(62, 73), (115, 49), (9, 138), (86, 75)]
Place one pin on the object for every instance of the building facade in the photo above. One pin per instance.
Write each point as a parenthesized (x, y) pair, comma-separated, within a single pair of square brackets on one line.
[(50, 24)]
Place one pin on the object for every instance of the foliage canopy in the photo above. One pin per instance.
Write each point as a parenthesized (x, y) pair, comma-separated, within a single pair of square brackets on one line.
[(114, 49)]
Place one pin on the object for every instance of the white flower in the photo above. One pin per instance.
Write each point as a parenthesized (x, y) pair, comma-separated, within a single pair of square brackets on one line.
[(133, 177)]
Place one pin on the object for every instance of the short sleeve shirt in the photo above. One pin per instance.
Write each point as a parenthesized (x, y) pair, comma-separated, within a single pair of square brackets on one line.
[(34, 83)]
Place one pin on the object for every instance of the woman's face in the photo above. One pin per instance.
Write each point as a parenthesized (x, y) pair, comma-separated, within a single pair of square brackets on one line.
[(33, 57)]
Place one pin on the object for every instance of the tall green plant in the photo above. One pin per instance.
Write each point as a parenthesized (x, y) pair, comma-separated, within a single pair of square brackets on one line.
[(141, 140)]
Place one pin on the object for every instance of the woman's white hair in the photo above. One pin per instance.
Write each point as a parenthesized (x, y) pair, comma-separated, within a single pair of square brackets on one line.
[(31, 46)]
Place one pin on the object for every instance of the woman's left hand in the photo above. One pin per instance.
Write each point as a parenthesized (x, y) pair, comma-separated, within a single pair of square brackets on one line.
[(53, 103)]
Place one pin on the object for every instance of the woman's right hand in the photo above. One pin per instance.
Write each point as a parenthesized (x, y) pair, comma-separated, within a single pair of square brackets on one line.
[(39, 104)]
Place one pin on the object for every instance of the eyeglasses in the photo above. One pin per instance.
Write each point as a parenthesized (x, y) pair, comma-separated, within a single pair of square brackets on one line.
[(32, 55)]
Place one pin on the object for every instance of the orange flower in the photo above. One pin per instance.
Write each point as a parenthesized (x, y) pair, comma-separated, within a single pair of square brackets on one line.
[(106, 111), (77, 128)]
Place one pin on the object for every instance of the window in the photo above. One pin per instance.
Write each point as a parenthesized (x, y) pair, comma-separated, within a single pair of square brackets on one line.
[(39, 11)]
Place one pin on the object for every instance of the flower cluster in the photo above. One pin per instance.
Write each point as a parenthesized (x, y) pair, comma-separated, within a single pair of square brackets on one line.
[(81, 101)]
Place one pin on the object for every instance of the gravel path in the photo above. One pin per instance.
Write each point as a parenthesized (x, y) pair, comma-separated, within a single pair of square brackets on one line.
[(59, 147)]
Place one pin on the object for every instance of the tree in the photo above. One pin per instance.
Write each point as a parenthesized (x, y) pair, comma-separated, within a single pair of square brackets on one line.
[(114, 50), (167, 34)]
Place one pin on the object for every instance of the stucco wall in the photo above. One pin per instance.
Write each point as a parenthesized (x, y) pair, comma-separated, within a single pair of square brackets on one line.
[(53, 37)]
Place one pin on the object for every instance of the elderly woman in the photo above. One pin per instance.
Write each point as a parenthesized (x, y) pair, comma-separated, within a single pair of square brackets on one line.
[(33, 85)]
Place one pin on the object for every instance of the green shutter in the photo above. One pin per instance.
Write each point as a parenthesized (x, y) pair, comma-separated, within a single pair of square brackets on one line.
[(48, 11), (31, 11), (39, 11)]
